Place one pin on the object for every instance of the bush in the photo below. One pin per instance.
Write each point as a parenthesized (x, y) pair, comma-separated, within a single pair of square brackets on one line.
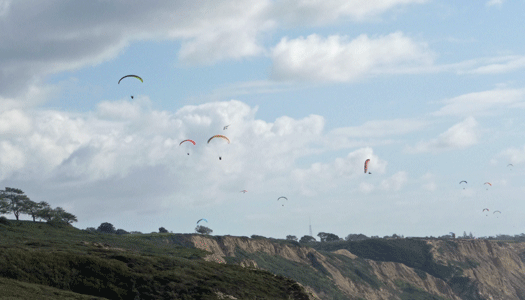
[(4, 220)]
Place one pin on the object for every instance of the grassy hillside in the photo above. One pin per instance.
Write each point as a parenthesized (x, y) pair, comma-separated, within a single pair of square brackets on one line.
[(141, 266)]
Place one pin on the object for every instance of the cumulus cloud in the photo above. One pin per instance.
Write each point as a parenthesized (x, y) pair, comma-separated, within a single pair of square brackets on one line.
[(319, 11), (459, 136), (322, 176), (122, 137), (395, 182), (381, 128), (335, 58), (53, 36), (480, 103), (514, 155)]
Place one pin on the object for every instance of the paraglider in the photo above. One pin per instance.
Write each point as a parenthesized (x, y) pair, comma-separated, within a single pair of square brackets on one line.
[(191, 141), (485, 209), (497, 211), (202, 220), (488, 184), (462, 182), (510, 165), (135, 76), (366, 165), (219, 136), (226, 127), (282, 197), (244, 191)]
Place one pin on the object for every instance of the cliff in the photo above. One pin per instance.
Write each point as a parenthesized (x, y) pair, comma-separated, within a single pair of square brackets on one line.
[(382, 269)]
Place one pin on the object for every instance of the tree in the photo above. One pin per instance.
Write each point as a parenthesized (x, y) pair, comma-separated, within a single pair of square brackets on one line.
[(471, 236), (163, 230), (46, 213), (291, 237), (14, 201), (203, 229), (68, 218), (307, 239), (465, 236), (356, 237), (106, 228), (327, 237), (121, 231)]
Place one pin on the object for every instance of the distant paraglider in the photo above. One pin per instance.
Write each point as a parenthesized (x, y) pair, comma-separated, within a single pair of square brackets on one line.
[(190, 141), (462, 182), (282, 197), (134, 76), (244, 191), (510, 165), (488, 184), (366, 165), (202, 220), (219, 136), (226, 127), (486, 209)]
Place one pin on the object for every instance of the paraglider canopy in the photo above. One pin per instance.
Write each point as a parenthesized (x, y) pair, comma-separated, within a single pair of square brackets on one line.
[(135, 76), (366, 165), (219, 136), (191, 141)]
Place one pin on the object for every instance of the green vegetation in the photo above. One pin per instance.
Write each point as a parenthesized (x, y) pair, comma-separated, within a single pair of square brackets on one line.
[(14, 289), (147, 266)]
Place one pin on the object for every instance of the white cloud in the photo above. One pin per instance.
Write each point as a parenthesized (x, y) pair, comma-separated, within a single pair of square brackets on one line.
[(395, 182), (48, 37), (498, 65), (14, 122), (335, 58), (494, 2), (365, 187), (323, 176), (486, 102), (381, 128), (122, 109), (514, 155), (327, 11), (459, 136)]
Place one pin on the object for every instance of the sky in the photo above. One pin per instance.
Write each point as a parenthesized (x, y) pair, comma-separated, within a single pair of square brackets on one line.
[(432, 92)]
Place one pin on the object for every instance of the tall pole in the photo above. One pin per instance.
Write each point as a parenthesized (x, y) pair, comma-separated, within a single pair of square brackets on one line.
[(310, 222)]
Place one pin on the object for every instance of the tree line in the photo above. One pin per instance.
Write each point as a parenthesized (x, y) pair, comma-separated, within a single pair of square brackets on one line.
[(14, 201)]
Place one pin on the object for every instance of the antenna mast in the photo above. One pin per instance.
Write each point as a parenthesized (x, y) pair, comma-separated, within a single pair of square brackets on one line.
[(310, 222)]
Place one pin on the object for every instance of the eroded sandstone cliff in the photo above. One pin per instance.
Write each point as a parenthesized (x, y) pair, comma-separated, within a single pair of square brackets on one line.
[(457, 269)]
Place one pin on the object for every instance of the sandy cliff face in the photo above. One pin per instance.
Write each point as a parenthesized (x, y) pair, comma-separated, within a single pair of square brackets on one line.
[(483, 269), (392, 276), (496, 267)]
